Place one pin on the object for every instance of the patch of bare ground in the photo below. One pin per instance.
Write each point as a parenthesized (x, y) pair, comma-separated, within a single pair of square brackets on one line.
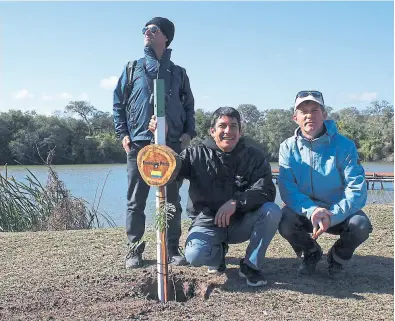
[(80, 275)]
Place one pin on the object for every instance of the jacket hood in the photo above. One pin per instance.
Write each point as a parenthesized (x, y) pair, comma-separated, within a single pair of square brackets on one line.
[(150, 54), (154, 67)]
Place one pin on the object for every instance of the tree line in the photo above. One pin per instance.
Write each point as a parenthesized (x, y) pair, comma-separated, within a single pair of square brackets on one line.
[(81, 134)]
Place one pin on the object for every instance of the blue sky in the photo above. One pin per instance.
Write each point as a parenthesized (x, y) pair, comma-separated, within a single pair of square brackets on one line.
[(260, 53)]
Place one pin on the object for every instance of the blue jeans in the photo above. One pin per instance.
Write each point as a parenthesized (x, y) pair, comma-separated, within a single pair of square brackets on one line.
[(204, 244), (137, 195), (353, 232)]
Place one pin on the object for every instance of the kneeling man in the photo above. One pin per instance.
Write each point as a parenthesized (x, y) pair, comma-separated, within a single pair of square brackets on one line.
[(231, 195)]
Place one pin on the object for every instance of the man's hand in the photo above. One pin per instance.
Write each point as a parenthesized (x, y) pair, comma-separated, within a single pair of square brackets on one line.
[(126, 144), (324, 225), (185, 139), (153, 123), (222, 218), (320, 218)]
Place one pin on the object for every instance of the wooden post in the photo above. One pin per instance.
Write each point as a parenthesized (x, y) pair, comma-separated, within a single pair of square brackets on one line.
[(159, 165), (161, 251), (161, 236)]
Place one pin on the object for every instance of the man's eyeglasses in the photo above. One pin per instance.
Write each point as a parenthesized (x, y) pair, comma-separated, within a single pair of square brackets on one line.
[(305, 93), (152, 29)]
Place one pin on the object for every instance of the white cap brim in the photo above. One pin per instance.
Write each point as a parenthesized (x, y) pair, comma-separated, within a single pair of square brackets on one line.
[(310, 98)]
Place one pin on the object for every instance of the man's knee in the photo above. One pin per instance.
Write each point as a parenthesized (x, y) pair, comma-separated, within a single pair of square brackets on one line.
[(271, 211), (288, 222), (360, 227), (199, 253)]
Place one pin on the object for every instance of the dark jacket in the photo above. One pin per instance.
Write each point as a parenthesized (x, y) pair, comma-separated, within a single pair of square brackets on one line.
[(216, 177), (133, 119)]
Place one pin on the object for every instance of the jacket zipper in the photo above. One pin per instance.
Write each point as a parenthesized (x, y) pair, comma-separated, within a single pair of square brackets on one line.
[(311, 167)]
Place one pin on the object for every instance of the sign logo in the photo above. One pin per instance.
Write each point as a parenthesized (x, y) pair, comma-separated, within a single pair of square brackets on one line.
[(156, 174)]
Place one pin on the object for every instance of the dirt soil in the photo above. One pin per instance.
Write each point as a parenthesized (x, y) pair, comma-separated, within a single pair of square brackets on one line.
[(74, 275)]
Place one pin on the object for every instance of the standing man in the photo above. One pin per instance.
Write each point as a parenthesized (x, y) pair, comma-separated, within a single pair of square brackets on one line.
[(132, 110), (322, 184)]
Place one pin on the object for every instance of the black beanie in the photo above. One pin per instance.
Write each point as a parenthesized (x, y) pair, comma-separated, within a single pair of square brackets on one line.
[(165, 25)]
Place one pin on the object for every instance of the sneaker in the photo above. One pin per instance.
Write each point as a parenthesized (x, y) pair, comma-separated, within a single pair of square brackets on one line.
[(310, 261), (175, 256), (335, 270), (254, 277), (221, 268), (134, 258)]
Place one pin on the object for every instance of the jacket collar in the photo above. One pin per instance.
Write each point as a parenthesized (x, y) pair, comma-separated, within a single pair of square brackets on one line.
[(330, 131), (152, 61)]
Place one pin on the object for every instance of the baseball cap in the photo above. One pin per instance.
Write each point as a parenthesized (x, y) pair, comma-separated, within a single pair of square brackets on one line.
[(311, 95)]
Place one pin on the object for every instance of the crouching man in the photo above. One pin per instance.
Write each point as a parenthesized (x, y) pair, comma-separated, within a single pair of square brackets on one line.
[(231, 195), (322, 184)]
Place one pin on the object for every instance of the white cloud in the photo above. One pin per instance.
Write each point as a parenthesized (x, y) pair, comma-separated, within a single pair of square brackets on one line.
[(23, 94), (46, 96), (65, 95), (109, 83), (84, 96), (365, 96)]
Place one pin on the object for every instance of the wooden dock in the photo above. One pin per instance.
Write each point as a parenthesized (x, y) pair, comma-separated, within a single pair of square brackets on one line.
[(372, 178)]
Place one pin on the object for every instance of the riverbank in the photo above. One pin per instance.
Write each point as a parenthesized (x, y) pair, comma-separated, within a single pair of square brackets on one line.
[(104, 187), (74, 275)]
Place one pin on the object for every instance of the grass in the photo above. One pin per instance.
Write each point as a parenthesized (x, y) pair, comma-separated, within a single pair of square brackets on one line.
[(80, 274)]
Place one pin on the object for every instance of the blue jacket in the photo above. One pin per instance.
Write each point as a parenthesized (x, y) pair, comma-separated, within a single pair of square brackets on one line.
[(325, 172), (133, 119)]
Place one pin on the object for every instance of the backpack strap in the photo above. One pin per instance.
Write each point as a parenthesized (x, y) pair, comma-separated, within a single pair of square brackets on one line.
[(129, 85)]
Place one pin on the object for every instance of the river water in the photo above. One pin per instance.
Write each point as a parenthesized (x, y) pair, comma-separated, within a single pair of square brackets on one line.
[(109, 182)]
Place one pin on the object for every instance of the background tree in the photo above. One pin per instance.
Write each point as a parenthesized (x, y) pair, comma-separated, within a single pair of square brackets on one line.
[(90, 138), (85, 110)]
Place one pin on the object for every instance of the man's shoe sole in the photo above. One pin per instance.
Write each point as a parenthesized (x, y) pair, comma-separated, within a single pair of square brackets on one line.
[(216, 271), (260, 283), (130, 267), (177, 262)]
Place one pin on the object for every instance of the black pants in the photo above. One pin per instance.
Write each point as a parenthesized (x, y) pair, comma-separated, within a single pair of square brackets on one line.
[(353, 232), (137, 198)]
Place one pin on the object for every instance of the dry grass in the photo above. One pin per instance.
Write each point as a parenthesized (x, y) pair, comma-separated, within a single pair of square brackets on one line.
[(30, 206), (74, 275)]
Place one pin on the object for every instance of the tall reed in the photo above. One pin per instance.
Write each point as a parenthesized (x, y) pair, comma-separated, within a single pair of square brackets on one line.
[(31, 206)]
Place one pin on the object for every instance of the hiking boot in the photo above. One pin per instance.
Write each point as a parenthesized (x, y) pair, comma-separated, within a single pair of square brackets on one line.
[(310, 261), (134, 258), (335, 270), (254, 277), (175, 256), (221, 268)]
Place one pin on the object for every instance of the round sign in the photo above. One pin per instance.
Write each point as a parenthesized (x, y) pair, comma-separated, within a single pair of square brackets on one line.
[(158, 164)]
